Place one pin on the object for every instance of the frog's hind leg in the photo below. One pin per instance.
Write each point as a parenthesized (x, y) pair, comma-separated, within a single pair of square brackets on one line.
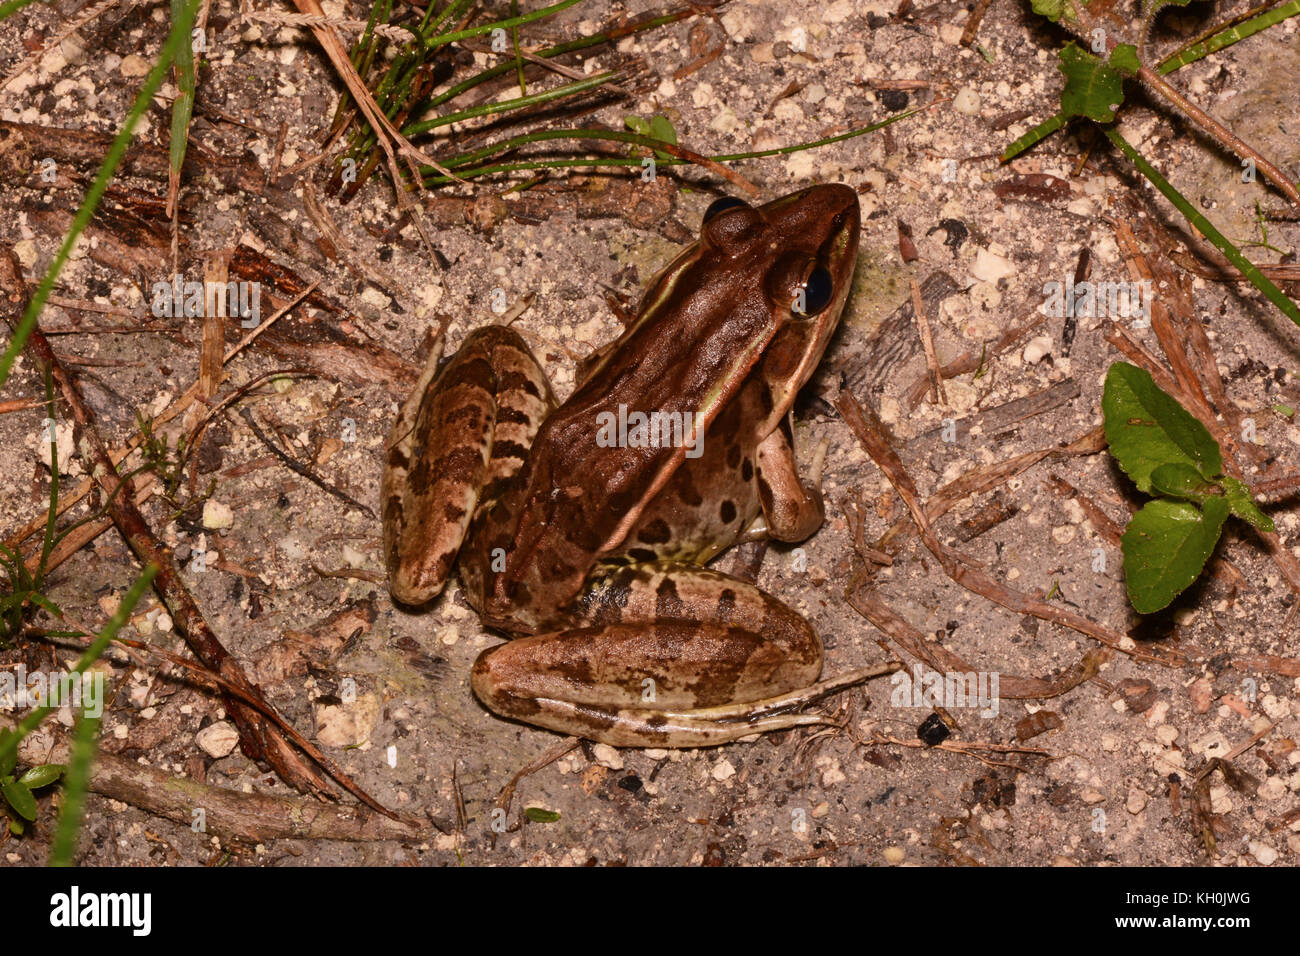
[(465, 430), (664, 655)]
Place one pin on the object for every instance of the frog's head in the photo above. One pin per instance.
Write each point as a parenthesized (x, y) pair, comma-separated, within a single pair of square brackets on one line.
[(811, 246)]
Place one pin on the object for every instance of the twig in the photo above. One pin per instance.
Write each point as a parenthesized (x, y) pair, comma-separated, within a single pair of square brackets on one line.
[(300, 469), (261, 740), (927, 343), (230, 814), (957, 566)]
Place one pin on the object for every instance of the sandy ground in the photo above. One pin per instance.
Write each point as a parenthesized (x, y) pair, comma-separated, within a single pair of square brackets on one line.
[(1114, 782)]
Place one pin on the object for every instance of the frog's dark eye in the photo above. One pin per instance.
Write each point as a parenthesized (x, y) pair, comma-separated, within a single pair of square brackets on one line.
[(817, 292), (720, 206)]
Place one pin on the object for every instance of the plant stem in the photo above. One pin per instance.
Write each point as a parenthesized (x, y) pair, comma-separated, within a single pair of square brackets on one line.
[(1221, 134)]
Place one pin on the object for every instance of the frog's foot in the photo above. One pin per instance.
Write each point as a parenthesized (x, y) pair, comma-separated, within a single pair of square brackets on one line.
[(702, 727)]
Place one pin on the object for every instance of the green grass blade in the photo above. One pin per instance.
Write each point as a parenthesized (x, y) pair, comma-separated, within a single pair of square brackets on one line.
[(1225, 38), (76, 784), (1039, 132), (180, 35), (544, 12), (12, 6), (92, 654), (183, 105), (519, 102), (1207, 229)]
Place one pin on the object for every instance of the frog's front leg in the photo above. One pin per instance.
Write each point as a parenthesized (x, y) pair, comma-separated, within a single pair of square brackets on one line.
[(792, 508), (664, 655)]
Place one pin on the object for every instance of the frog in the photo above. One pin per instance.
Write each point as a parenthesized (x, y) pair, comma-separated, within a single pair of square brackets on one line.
[(583, 530)]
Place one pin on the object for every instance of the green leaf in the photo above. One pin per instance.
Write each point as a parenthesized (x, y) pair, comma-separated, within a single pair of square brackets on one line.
[(1182, 481), (657, 127), (8, 758), (541, 815), (1146, 428), (41, 776), (16, 826), (1053, 9), (1165, 547), (1092, 88), (1243, 505), (1125, 59), (19, 797)]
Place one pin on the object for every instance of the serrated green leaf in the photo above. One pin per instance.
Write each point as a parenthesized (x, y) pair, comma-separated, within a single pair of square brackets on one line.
[(1180, 480), (541, 815), (19, 797), (1146, 428), (41, 776), (1092, 88), (1125, 59), (1165, 548), (1241, 504)]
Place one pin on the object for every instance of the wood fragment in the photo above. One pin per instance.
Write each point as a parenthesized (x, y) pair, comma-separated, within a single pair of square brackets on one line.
[(873, 442), (927, 345), (228, 814)]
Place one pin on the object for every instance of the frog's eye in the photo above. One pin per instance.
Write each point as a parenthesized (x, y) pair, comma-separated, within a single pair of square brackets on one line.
[(719, 206), (818, 291)]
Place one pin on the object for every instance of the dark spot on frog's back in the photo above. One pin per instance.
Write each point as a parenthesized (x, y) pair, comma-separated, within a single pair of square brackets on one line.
[(726, 604), (747, 470), (727, 512), (560, 569), (656, 532), (686, 489), (515, 416), (514, 380), (668, 604), (641, 554), (733, 456)]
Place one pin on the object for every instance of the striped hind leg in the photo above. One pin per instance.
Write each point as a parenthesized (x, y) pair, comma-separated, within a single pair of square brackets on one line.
[(464, 429)]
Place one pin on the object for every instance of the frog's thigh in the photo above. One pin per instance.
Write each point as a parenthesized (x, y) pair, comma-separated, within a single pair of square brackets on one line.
[(793, 510), (466, 428), (660, 644)]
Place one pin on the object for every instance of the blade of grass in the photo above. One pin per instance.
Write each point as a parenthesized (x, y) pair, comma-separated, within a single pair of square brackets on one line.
[(445, 38), (12, 6), (582, 43), (518, 103), (182, 112), (180, 35), (585, 162), (91, 654), (1039, 132), (76, 784), (1227, 37), (1206, 228)]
